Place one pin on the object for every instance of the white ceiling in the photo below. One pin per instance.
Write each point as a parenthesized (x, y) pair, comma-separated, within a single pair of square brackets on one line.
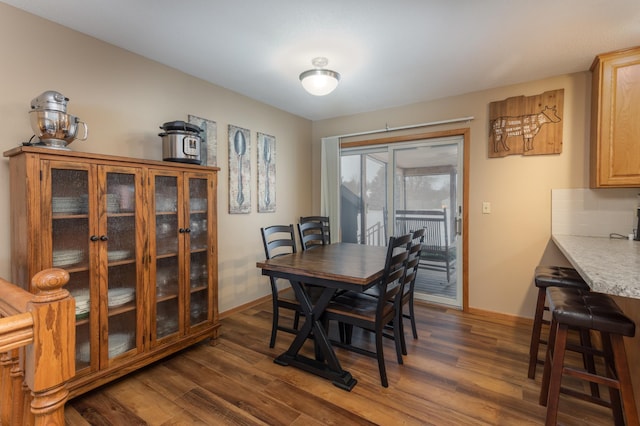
[(389, 53)]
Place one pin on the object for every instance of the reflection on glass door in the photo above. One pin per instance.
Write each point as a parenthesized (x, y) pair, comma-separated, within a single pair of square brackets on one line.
[(426, 192), (363, 197)]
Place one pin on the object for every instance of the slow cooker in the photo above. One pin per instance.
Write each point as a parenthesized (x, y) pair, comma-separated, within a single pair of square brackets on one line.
[(181, 142)]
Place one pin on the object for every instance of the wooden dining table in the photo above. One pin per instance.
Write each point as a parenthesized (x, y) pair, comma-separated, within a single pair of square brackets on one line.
[(339, 266)]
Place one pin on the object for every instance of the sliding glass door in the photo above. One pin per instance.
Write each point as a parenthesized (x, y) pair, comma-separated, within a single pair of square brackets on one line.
[(363, 196), (397, 188)]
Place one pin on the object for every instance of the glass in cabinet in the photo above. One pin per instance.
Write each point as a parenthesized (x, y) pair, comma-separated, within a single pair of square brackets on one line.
[(94, 236), (166, 235), (198, 249), (182, 236), (119, 227)]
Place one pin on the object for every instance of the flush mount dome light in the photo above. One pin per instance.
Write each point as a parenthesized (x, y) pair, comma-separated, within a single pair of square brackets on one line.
[(319, 81)]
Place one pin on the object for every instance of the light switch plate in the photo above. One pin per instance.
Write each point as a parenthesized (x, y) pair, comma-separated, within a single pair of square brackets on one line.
[(486, 207)]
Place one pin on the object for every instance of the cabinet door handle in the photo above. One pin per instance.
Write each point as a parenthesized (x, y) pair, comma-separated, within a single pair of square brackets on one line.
[(187, 230), (182, 230), (104, 238), (94, 238)]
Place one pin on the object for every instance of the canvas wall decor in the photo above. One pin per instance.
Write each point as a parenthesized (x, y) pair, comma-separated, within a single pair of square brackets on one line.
[(209, 139), (530, 125), (266, 173), (239, 170)]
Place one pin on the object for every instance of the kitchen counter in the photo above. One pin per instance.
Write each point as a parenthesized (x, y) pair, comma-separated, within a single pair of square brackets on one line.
[(608, 265)]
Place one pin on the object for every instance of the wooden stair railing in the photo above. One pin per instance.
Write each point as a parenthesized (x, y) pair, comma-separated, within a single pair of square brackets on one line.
[(37, 350)]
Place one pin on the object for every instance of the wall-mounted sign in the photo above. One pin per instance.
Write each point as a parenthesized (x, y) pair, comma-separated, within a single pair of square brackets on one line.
[(527, 125)]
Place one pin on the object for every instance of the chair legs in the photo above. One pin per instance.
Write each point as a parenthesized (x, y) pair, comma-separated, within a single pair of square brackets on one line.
[(412, 315), (274, 323), (380, 357)]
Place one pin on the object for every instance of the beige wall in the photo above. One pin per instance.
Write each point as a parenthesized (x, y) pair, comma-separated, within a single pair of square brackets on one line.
[(506, 245), (124, 98)]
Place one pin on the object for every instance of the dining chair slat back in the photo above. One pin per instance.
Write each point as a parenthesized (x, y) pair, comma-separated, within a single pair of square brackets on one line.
[(279, 240), (314, 231), (413, 263)]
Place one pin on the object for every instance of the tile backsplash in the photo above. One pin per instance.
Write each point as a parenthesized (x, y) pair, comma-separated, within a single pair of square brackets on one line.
[(594, 212)]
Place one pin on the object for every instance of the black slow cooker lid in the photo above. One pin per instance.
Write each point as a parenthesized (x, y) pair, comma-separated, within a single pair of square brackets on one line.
[(180, 125)]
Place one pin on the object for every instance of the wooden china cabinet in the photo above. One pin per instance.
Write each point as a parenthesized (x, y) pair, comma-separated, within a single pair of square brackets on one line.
[(139, 241)]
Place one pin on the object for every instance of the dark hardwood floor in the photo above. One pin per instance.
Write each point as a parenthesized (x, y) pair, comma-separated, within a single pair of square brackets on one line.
[(463, 370)]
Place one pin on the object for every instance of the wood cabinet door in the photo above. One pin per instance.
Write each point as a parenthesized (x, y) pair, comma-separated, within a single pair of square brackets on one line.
[(167, 230), (121, 242), (68, 222), (200, 244), (616, 119)]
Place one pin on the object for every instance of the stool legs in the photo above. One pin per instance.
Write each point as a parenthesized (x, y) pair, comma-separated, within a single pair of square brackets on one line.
[(623, 374), (618, 377), (552, 375), (536, 332)]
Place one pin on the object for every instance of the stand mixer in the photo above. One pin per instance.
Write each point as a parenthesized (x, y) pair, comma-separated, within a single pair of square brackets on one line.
[(51, 123)]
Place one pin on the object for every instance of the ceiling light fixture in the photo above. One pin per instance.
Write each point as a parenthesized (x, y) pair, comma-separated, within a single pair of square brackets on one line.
[(319, 81)]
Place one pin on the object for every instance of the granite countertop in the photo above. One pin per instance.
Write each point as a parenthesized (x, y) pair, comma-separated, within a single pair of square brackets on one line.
[(608, 265)]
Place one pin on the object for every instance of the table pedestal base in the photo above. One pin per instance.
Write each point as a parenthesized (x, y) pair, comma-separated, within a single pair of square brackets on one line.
[(341, 379)]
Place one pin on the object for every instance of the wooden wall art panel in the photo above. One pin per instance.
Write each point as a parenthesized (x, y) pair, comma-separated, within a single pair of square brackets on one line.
[(527, 125)]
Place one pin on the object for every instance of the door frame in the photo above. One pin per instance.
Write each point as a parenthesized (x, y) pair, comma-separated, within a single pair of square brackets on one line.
[(465, 133)]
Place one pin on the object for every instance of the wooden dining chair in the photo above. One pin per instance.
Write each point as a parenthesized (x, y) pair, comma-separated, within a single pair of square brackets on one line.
[(413, 262), (417, 239), (373, 314), (279, 240), (314, 231)]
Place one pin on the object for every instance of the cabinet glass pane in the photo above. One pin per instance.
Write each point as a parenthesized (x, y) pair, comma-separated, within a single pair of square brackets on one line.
[(121, 254), (70, 225), (83, 347), (198, 270), (198, 259), (199, 307), (122, 325), (166, 193), (198, 289), (167, 296), (70, 240)]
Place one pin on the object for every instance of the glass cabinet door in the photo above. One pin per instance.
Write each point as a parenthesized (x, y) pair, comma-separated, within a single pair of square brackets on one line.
[(198, 249), (119, 237), (166, 236), (70, 247)]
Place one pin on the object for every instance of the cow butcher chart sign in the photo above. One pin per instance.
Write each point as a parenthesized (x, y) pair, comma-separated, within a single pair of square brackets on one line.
[(530, 125)]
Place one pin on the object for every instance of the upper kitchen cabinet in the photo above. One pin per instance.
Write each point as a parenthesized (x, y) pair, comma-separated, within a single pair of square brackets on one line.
[(615, 119)]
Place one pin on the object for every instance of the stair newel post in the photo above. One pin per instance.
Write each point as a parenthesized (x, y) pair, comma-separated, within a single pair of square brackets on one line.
[(50, 360)]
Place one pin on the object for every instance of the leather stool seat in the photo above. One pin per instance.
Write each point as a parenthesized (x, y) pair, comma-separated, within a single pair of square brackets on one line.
[(595, 311), (544, 277), (558, 276), (584, 310)]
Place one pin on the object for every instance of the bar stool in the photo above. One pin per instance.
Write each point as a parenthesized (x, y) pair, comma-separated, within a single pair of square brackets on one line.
[(590, 311), (549, 276)]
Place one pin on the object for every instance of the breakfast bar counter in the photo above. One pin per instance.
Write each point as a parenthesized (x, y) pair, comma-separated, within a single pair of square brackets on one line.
[(611, 266), (608, 265)]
